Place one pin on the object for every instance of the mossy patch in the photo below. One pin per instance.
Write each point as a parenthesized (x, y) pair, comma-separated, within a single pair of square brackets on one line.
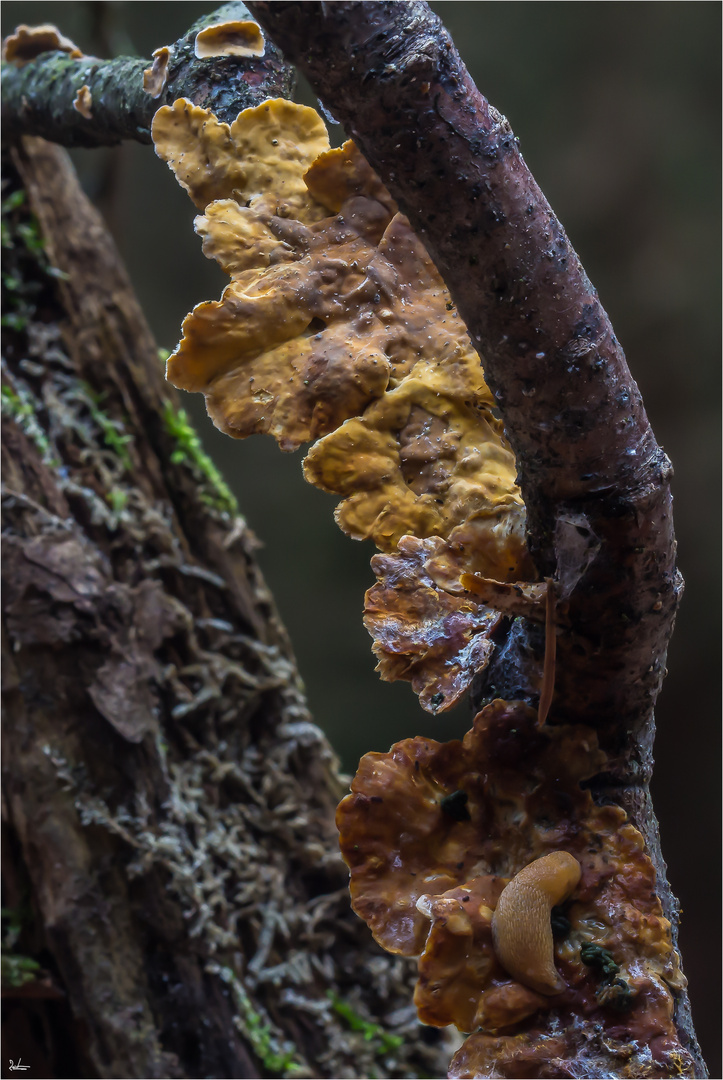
[(215, 492)]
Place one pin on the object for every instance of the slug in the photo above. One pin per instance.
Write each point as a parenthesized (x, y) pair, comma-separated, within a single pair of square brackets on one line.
[(521, 928)]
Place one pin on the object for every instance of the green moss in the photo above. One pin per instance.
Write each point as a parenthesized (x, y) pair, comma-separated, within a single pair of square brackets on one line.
[(18, 970), (371, 1032), (19, 407), (117, 499), (189, 451), (29, 233), (6, 208), (280, 1061), (114, 434), (595, 956)]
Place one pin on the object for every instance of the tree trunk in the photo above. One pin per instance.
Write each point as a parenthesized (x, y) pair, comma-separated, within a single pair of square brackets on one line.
[(168, 802)]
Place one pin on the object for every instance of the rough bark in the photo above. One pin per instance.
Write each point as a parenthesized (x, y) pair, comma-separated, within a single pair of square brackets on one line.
[(165, 792), (595, 483), (37, 99)]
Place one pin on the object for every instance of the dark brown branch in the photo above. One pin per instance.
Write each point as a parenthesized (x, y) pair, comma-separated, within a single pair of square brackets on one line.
[(37, 99), (391, 74), (585, 450)]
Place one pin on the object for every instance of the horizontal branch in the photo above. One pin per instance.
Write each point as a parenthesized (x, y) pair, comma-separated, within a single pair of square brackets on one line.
[(39, 97)]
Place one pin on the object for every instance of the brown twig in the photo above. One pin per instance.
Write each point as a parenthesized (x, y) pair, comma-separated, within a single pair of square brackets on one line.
[(572, 412)]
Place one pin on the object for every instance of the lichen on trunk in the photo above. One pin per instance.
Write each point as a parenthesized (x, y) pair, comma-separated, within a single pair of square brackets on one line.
[(155, 730)]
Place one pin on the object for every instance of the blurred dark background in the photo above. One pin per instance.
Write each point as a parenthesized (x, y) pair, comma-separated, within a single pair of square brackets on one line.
[(617, 107)]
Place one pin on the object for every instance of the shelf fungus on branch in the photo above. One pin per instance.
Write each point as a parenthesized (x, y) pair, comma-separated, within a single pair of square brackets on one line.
[(434, 832), (27, 42), (430, 638), (337, 327)]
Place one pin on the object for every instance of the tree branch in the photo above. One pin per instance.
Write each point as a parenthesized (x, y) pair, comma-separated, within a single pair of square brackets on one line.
[(37, 99), (595, 483), (575, 418)]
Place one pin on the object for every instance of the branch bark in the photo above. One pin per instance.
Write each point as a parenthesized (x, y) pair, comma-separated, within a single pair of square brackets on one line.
[(37, 99), (575, 418)]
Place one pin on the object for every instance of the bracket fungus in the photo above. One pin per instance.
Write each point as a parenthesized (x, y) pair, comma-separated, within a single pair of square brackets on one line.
[(27, 42), (337, 327), (156, 76), (421, 634), (431, 882), (83, 102), (238, 37)]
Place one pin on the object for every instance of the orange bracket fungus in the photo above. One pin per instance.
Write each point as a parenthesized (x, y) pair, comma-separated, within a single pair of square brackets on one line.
[(83, 102), (156, 76), (423, 635), (27, 42), (458, 853), (337, 327), (235, 38)]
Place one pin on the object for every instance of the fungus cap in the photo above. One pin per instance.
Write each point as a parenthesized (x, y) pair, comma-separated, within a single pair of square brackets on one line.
[(156, 76), (422, 635), (237, 37), (27, 42), (428, 821), (265, 151), (83, 102)]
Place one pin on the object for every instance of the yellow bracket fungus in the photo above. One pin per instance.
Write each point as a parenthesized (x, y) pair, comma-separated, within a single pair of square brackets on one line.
[(27, 42), (240, 37), (83, 102), (265, 151), (336, 326), (156, 76)]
